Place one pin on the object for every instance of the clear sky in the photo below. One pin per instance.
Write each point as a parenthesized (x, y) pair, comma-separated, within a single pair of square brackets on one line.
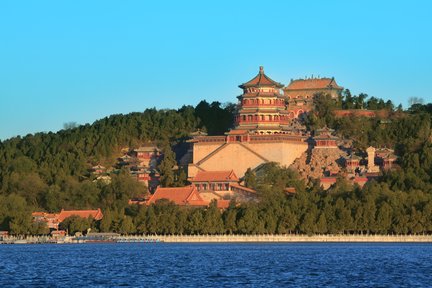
[(79, 61)]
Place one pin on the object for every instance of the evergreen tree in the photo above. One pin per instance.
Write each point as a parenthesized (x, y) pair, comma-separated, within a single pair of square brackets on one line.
[(166, 167)]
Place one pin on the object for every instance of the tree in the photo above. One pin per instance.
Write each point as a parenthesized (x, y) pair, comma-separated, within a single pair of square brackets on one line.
[(151, 220), (322, 224), (140, 219), (250, 178), (384, 218), (249, 222), (106, 222), (74, 224), (308, 222), (16, 215), (166, 167), (212, 220), (195, 222), (127, 225)]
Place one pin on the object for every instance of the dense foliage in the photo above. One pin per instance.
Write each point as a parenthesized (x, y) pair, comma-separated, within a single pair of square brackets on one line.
[(49, 171)]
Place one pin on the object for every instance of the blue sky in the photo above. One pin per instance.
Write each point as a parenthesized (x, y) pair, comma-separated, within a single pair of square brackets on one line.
[(79, 61)]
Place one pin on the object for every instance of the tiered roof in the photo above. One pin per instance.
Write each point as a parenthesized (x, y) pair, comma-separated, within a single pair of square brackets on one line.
[(261, 80), (325, 134)]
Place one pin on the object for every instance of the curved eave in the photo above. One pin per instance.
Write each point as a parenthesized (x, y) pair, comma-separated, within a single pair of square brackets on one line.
[(316, 88), (258, 85), (256, 81)]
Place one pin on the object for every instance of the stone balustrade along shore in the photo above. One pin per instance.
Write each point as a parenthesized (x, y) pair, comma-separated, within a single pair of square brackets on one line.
[(288, 238)]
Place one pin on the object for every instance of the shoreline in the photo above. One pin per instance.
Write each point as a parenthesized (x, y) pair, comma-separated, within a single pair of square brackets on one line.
[(289, 238), (294, 238)]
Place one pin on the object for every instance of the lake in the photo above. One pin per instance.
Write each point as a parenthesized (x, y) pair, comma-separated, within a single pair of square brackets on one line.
[(217, 265)]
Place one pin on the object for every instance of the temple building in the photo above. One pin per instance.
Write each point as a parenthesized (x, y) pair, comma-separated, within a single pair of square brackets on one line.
[(54, 219), (352, 163), (98, 169), (214, 180), (324, 138), (147, 156), (262, 107), (221, 185), (261, 134), (183, 196), (300, 93)]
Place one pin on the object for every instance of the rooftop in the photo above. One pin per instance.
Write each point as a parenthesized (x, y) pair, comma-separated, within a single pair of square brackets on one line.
[(313, 83), (95, 214), (213, 176), (261, 80), (179, 195), (146, 149)]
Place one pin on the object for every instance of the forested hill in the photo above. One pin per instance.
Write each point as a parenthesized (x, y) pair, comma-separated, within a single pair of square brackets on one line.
[(49, 171)]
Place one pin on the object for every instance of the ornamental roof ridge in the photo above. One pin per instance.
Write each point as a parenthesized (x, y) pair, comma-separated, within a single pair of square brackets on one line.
[(312, 83), (261, 80)]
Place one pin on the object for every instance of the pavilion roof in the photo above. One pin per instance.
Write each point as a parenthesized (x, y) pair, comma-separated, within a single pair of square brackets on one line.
[(325, 129), (215, 176), (313, 83), (324, 133), (179, 195), (261, 80), (96, 214), (146, 149), (326, 137), (237, 132), (353, 157), (98, 167)]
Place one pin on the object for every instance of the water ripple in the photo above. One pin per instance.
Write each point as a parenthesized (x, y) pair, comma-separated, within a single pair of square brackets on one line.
[(217, 265)]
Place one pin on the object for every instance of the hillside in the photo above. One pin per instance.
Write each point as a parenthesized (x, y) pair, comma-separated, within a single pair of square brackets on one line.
[(50, 171)]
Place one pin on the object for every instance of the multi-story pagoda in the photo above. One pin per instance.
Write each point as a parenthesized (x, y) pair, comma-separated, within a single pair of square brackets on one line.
[(262, 107)]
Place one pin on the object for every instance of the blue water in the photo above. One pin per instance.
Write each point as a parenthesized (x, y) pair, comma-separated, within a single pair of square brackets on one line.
[(216, 265)]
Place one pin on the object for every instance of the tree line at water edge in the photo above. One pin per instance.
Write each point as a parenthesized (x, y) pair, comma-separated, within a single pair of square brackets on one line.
[(49, 171)]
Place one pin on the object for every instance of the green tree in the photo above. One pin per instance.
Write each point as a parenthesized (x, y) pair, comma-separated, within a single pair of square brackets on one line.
[(127, 226), (212, 220), (166, 168), (106, 222)]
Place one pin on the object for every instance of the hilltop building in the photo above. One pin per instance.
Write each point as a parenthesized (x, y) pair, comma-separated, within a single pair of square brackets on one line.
[(262, 107), (300, 93), (261, 134), (267, 128), (324, 138)]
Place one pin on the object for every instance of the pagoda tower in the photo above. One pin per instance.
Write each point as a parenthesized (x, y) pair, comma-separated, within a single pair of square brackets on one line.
[(262, 109)]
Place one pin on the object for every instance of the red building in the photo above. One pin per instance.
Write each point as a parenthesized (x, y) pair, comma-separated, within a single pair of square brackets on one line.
[(147, 156), (214, 180), (183, 196), (324, 138), (352, 162), (262, 107), (98, 169), (54, 219)]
